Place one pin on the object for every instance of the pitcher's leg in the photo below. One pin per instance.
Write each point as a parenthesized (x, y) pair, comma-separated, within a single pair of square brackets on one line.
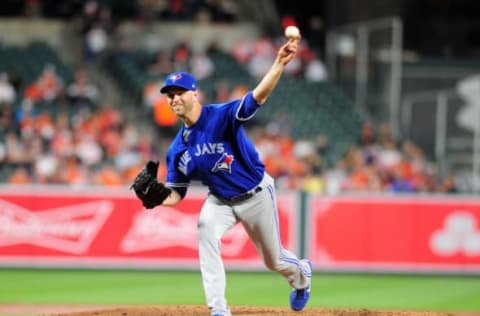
[(260, 219), (214, 221)]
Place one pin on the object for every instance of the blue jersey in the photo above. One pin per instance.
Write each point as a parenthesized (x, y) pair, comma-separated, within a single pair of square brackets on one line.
[(216, 151)]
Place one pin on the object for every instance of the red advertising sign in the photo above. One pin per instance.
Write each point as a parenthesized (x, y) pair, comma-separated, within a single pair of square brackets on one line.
[(407, 233), (111, 229)]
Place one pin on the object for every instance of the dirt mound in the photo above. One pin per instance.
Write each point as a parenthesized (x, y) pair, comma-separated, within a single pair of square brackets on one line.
[(242, 310), (194, 310)]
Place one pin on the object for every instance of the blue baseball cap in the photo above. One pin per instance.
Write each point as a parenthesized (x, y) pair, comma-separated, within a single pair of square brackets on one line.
[(179, 79)]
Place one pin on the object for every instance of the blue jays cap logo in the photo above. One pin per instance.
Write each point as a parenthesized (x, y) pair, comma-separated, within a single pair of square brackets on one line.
[(182, 80), (224, 163), (175, 77)]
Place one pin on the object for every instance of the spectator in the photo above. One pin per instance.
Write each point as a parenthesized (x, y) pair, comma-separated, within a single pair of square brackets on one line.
[(46, 168), (322, 146), (87, 150), (81, 92), (294, 68), (263, 55), (222, 11), (96, 28), (161, 66), (47, 87), (165, 120), (303, 148), (108, 176), (178, 10), (367, 135), (20, 176), (96, 41), (311, 180), (16, 81), (313, 183), (90, 14), (363, 175), (385, 133), (149, 10), (238, 91), (242, 51), (448, 185), (7, 91), (201, 66), (389, 156), (222, 91), (335, 177), (127, 158), (7, 121), (284, 122), (3, 152), (181, 56), (399, 182), (203, 16), (414, 164), (62, 141), (25, 117), (368, 142), (73, 172), (151, 93), (44, 126), (315, 69)]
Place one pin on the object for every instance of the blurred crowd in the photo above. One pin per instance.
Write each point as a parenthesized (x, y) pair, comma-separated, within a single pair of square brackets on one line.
[(216, 11), (378, 162), (97, 26), (60, 134), (254, 55), (57, 132), (53, 132)]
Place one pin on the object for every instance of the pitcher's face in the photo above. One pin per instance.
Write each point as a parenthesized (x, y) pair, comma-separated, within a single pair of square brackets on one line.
[(181, 101)]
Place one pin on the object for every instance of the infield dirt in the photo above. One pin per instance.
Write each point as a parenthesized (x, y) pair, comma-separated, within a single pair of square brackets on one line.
[(257, 311), (200, 310)]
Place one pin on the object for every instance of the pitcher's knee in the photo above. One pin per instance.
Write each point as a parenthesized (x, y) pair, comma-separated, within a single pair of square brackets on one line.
[(274, 265)]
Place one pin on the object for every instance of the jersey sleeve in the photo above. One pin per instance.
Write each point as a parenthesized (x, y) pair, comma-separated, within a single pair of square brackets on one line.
[(246, 108), (175, 183), (176, 180)]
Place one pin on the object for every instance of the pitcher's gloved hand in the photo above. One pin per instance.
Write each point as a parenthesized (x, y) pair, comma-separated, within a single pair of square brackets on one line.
[(147, 188)]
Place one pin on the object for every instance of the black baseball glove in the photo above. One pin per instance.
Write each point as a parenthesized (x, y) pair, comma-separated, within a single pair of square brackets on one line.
[(147, 188)]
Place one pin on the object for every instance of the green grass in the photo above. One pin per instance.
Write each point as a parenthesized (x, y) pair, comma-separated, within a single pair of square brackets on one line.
[(442, 293)]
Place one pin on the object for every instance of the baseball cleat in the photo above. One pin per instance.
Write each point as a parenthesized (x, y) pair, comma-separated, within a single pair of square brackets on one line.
[(299, 297)]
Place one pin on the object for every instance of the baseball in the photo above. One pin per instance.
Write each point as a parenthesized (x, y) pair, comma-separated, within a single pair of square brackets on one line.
[(292, 32)]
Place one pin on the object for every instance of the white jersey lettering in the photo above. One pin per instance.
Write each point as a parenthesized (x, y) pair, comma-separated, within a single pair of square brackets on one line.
[(208, 149), (184, 160)]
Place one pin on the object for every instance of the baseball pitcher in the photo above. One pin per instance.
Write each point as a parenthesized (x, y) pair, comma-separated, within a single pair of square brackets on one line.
[(212, 147)]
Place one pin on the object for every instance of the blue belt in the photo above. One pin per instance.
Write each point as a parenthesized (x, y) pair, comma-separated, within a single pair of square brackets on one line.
[(241, 197)]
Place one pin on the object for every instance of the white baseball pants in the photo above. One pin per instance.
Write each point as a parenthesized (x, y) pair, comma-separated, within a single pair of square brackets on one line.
[(259, 217)]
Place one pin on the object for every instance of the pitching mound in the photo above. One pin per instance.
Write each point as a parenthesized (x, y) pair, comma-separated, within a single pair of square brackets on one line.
[(241, 310)]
